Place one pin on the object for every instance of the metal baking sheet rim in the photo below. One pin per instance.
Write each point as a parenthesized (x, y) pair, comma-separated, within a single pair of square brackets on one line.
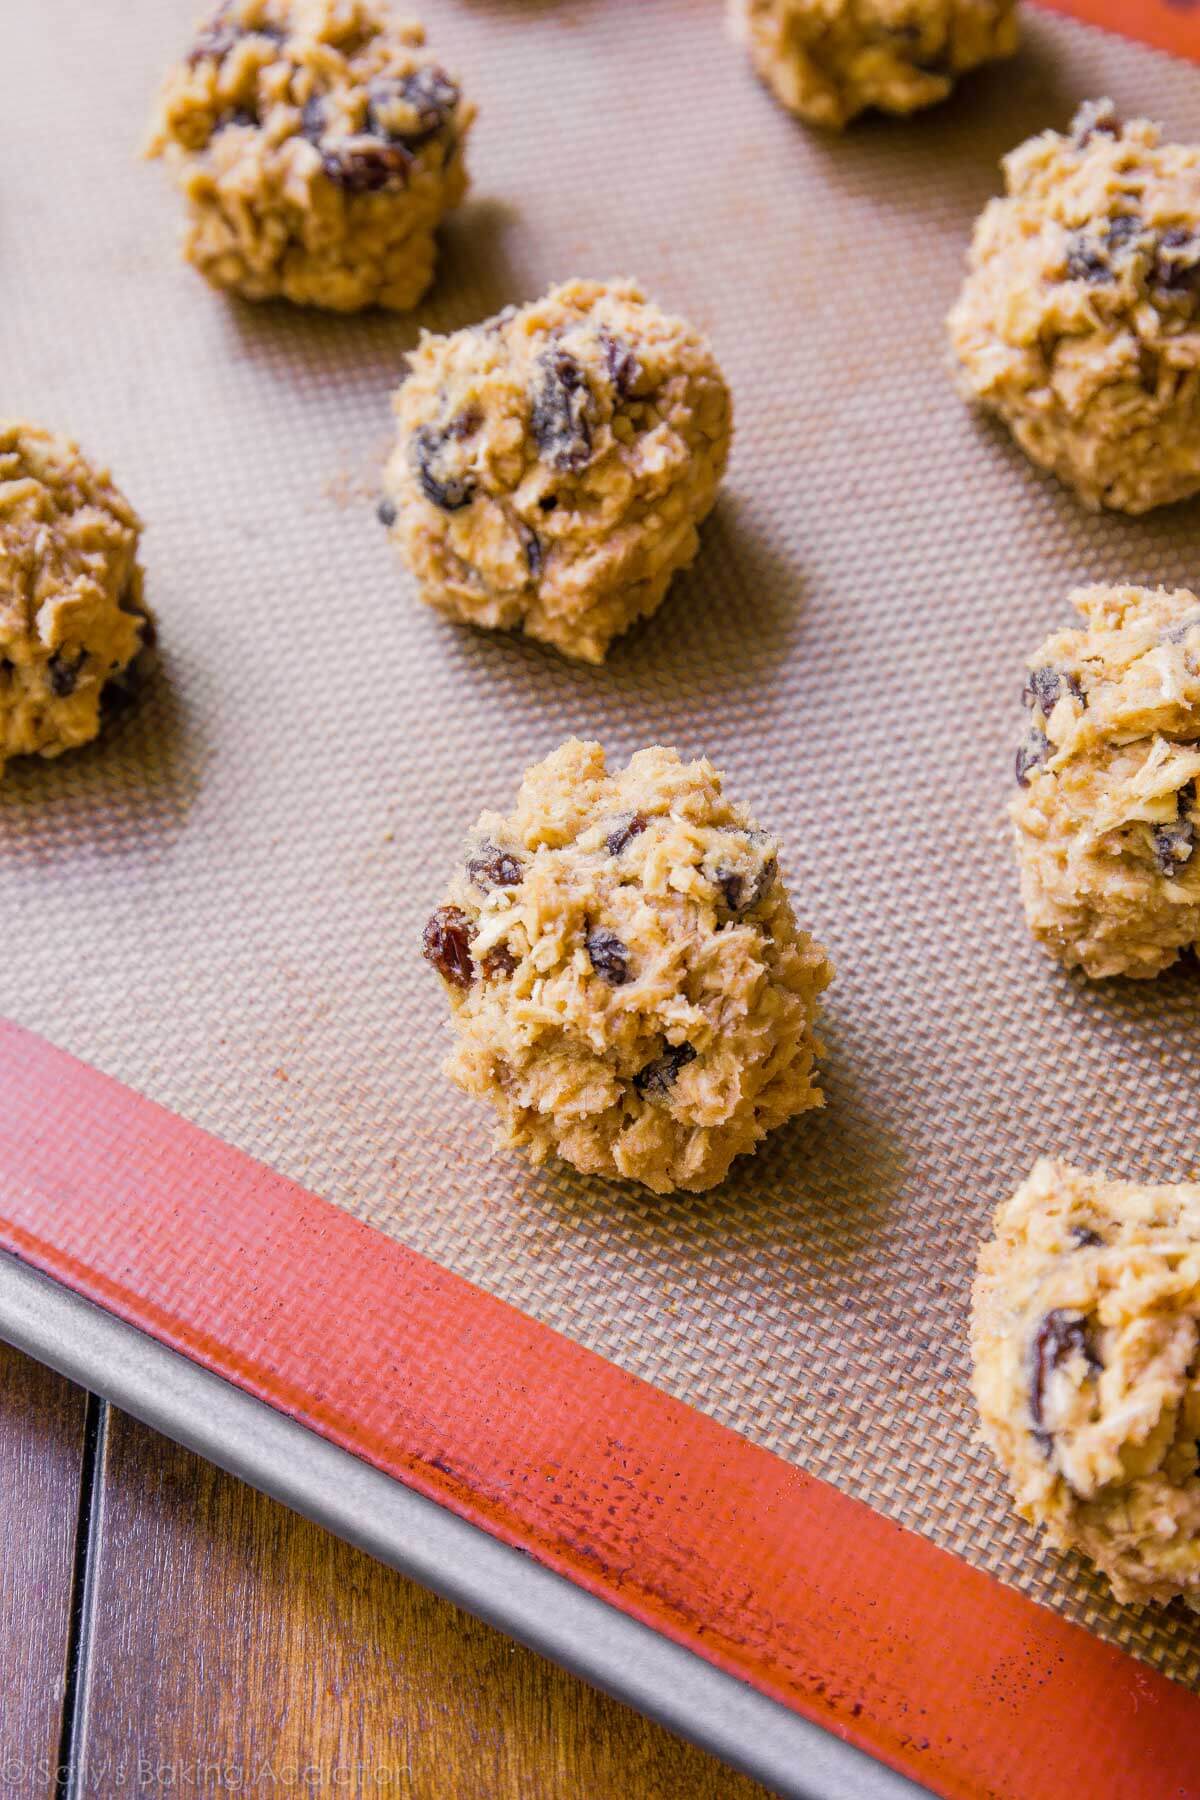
[(426, 1542)]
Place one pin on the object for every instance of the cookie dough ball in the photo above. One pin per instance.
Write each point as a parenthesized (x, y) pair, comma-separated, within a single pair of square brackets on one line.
[(554, 463), (828, 60), (317, 146), (1086, 1337), (1107, 768), (1079, 319), (627, 982), (74, 629)]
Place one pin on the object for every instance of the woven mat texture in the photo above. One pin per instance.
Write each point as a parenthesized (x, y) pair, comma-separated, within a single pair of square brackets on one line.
[(221, 903)]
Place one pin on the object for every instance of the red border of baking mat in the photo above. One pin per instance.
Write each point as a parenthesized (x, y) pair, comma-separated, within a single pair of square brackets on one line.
[(1166, 24), (776, 1577)]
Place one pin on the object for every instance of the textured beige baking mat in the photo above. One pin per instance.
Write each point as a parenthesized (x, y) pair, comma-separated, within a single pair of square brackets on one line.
[(221, 904)]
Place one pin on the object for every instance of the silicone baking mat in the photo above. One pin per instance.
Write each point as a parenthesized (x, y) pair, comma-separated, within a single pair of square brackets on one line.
[(221, 903)]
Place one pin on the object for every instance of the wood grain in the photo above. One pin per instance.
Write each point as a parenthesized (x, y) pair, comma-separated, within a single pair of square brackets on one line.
[(41, 1452), (228, 1631)]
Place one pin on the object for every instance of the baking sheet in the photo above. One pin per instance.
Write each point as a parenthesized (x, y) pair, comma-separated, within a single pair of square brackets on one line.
[(221, 903), (496, 1582)]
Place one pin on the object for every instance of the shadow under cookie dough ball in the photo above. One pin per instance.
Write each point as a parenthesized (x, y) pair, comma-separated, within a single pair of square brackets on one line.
[(317, 145), (1106, 816), (1086, 1338), (828, 60), (74, 629), (628, 986), (1077, 322), (553, 464)]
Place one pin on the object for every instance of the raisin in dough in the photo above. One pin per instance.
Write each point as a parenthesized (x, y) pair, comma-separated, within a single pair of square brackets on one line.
[(317, 146), (828, 60), (1106, 817), (1079, 321), (74, 629), (554, 463), (627, 982), (1086, 1337)]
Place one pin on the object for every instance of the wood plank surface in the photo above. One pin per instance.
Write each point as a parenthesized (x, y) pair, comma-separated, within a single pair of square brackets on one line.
[(41, 1454), (229, 1638)]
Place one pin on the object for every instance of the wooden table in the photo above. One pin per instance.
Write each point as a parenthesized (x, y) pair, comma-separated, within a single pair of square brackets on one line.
[(166, 1630)]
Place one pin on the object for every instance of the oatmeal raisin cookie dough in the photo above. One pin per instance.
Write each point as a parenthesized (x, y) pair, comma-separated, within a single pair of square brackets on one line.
[(828, 60), (74, 629), (1078, 324), (317, 145), (628, 985), (1086, 1339), (1106, 813), (553, 464)]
